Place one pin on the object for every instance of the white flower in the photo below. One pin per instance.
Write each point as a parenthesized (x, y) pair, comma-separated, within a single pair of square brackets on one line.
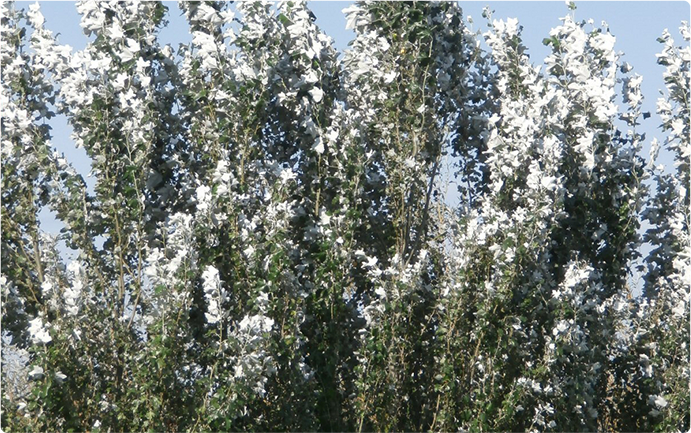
[(257, 323), (142, 65), (238, 371), (549, 183), (115, 32), (318, 146), (46, 287), (203, 197), (679, 310), (35, 15), (352, 16), (388, 78), (677, 126), (60, 377), (658, 401), (371, 261), (36, 372), (604, 42), (213, 294), (130, 51), (207, 48), (324, 219), (207, 13), (560, 328), (39, 334), (287, 175), (317, 94)]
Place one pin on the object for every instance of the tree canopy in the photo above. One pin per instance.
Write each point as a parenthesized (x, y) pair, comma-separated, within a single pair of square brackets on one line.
[(273, 243)]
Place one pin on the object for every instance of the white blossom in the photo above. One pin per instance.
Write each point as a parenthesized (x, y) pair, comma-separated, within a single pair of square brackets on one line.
[(39, 333)]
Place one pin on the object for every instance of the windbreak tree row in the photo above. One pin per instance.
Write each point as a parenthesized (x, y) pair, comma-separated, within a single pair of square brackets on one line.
[(421, 233)]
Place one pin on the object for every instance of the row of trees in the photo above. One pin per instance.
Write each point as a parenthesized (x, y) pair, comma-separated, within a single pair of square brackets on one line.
[(269, 244)]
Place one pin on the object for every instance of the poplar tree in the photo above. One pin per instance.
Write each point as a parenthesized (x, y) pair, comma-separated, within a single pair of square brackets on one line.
[(273, 241)]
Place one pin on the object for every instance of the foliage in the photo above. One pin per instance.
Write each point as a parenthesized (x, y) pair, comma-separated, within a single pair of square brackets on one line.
[(271, 243)]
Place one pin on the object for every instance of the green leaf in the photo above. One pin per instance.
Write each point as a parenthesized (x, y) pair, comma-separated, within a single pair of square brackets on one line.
[(283, 19)]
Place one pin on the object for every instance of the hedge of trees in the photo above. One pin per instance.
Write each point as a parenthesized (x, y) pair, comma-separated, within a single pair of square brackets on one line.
[(273, 242)]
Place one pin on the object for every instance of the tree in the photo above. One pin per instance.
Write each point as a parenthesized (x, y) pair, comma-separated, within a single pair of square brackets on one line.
[(532, 278), (269, 244), (664, 340)]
